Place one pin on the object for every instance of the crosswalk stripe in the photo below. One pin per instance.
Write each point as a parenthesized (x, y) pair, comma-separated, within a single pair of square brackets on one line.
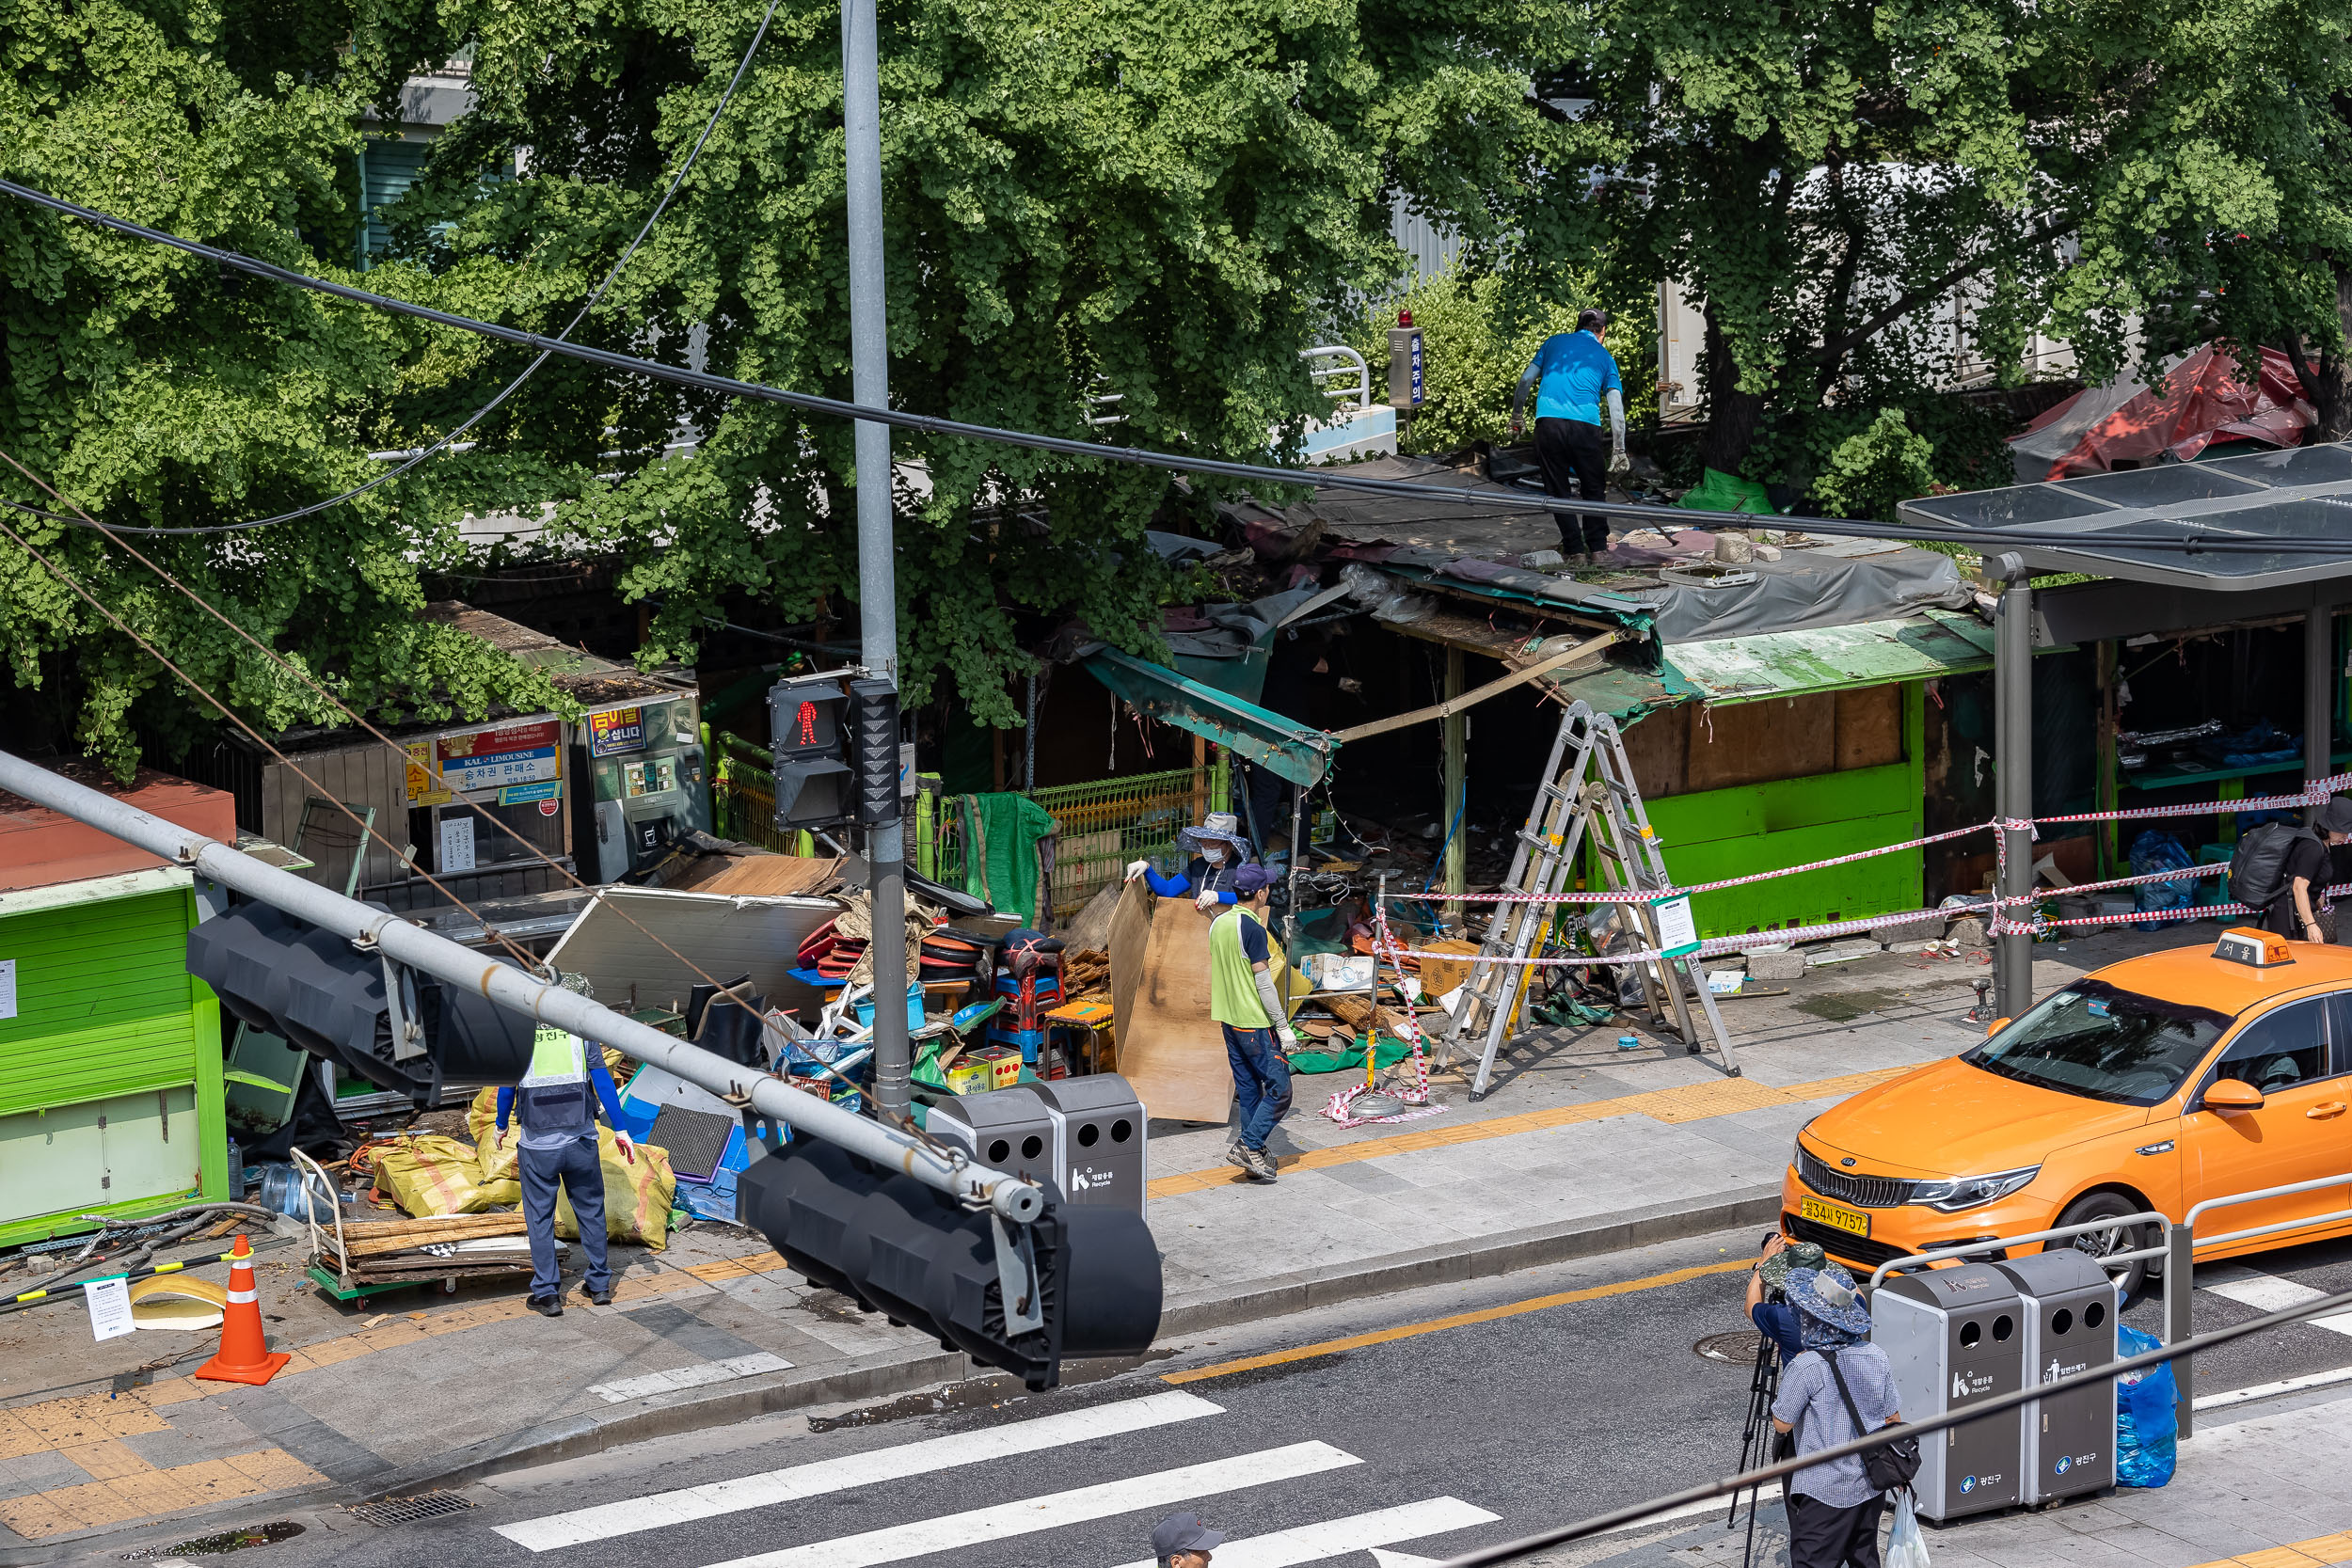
[(1138, 1494), (1357, 1532), (663, 1510), (2267, 1293)]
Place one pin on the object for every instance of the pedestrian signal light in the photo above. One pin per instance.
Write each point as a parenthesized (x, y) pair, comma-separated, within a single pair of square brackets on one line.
[(812, 768)]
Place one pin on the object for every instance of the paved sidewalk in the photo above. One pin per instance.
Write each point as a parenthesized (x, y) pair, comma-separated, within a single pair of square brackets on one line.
[(1582, 1149), (2265, 1492)]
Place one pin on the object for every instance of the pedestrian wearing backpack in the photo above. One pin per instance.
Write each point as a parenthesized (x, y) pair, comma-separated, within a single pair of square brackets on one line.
[(2284, 871)]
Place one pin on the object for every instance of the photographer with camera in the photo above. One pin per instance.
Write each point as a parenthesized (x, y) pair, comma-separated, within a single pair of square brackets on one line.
[(1840, 1385), (1768, 1282)]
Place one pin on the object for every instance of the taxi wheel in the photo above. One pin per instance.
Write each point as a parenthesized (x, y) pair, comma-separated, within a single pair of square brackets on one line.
[(2129, 1278)]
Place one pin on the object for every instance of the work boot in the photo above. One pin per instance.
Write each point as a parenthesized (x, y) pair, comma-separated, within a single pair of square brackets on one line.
[(547, 1307), (1259, 1164)]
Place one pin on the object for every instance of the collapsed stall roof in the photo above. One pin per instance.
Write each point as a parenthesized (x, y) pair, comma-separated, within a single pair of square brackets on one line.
[(1294, 750), (1479, 546)]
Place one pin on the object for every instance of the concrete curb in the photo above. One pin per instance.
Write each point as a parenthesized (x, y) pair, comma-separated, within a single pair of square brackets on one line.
[(883, 1377)]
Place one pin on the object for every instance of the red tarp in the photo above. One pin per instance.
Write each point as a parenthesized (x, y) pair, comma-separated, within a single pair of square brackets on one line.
[(2205, 400)]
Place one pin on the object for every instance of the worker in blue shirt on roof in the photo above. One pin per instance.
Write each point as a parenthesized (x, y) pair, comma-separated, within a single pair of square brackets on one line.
[(1573, 374)]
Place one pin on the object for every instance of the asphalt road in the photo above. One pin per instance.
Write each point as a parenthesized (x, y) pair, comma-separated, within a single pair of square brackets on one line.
[(1424, 1443)]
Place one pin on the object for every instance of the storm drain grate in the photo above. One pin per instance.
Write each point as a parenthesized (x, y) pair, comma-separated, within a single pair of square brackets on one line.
[(410, 1511)]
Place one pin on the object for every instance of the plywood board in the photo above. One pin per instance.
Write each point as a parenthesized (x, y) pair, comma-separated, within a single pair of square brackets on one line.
[(1170, 1049), (1745, 743), (1654, 748), (1869, 726)]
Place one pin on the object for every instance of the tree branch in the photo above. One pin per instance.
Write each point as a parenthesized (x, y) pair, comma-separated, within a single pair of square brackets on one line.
[(1830, 352)]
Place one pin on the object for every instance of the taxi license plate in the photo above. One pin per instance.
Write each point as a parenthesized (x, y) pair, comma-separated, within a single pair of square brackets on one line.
[(1835, 1213)]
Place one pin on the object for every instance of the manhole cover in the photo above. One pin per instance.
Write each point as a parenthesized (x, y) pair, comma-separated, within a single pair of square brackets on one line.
[(1735, 1349), (409, 1511)]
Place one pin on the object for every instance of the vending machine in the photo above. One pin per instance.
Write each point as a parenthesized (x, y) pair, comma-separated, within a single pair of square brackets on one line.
[(646, 783)]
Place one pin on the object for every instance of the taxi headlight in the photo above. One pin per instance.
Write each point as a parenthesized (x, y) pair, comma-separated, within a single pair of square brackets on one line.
[(1969, 1191)]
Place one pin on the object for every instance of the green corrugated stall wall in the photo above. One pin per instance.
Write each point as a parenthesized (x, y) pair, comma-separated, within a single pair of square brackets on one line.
[(110, 1073), (1717, 834)]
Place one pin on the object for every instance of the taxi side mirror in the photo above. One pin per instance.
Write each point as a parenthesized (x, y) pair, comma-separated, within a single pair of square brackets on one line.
[(2232, 1094), (1995, 1027)]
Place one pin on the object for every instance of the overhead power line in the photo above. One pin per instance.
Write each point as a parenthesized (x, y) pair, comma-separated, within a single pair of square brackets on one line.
[(1254, 473)]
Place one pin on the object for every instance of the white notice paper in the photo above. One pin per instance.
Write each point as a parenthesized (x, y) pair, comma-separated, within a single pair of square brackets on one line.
[(8, 988), (457, 843), (1678, 931), (109, 1308)]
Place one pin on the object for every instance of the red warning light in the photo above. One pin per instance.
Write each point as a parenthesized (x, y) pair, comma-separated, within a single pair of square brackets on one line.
[(809, 723)]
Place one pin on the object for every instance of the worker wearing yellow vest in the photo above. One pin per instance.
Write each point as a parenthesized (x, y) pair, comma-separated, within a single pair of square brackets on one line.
[(1243, 999)]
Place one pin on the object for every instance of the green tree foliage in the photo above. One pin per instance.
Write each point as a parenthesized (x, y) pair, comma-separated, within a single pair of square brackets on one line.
[(1820, 174), (1160, 201), (156, 390)]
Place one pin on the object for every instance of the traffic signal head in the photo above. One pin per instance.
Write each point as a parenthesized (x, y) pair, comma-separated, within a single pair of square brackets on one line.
[(316, 991), (812, 773), (1089, 1275)]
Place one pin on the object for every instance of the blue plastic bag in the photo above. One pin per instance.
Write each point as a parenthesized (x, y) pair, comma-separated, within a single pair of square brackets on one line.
[(2153, 851), (2146, 1420)]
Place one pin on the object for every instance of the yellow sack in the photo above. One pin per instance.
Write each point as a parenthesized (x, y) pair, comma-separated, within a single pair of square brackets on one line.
[(636, 1197), (495, 1170), (428, 1174)]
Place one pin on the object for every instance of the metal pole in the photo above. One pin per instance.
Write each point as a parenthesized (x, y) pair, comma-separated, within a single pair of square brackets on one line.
[(2180, 1271), (2012, 763), (1453, 742), (517, 989), (2319, 692), (877, 575)]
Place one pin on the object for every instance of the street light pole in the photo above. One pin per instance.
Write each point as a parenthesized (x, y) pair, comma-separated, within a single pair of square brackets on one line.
[(877, 579)]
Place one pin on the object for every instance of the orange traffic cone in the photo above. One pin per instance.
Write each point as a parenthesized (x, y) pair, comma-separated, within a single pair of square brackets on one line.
[(245, 1355)]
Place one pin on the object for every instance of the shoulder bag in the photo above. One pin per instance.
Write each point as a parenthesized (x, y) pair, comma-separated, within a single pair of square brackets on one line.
[(1890, 1465)]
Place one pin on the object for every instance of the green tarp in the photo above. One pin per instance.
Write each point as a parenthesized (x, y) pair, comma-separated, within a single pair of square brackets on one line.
[(1274, 743)]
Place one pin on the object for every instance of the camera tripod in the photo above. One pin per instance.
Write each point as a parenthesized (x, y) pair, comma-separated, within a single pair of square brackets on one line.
[(1755, 1436)]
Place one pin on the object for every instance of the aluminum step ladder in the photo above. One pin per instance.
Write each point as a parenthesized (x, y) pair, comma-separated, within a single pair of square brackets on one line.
[(1590, 798)]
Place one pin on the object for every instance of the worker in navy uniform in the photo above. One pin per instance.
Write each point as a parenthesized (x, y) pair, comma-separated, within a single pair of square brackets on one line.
[(556, 1104)]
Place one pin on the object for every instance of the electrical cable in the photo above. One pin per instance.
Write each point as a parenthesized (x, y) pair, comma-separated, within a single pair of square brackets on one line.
[(422, 454), (1503, 497), (65, 577)]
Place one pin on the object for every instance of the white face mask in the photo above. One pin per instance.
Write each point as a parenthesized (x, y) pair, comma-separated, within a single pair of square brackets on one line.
[(1213, 853)]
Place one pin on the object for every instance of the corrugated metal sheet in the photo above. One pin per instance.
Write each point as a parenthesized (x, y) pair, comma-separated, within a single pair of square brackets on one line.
[(1432, 246)]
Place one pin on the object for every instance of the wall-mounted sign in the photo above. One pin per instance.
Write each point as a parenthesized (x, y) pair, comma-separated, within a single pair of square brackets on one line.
[(620, 729), (457, 842), (495, 758), (516, 794), (422, 788)]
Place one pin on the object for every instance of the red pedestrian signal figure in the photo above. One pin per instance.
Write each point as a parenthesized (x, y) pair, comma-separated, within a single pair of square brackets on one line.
[(809, 723)]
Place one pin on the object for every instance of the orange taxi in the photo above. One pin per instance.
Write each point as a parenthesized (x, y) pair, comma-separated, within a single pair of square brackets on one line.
[(2149, 1085)]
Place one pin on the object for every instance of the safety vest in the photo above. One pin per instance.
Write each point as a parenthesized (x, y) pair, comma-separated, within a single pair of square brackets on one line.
[(553, 1096), (1232, 983)]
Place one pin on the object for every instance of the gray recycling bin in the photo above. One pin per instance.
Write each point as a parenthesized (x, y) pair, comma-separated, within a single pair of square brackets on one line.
[(1009, 1128), (1956, 1337), (1100, 1126), (2070, 1316)]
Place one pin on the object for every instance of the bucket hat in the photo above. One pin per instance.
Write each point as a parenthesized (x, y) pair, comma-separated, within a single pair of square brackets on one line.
[(1831, 1298), (1796, 1254), (1220, 825)]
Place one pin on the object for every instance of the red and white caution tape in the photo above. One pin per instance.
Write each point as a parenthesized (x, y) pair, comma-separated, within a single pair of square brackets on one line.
[(1339, 1107)]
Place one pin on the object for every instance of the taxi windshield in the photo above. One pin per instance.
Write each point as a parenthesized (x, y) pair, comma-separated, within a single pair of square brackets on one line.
[(2097, 1039)]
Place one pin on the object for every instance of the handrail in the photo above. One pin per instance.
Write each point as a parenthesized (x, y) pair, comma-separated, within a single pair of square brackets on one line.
[(1361, 396), (2001, 1243)]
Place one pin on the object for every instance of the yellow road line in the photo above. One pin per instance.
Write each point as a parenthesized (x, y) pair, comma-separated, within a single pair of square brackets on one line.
[(1457, 1320), (1687, 1102)]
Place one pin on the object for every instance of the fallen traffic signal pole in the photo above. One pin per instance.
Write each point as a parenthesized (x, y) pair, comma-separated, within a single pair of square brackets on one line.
[(982, 1261)]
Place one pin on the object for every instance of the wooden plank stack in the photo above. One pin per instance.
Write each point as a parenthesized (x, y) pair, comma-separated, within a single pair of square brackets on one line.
[(380, 1251)]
